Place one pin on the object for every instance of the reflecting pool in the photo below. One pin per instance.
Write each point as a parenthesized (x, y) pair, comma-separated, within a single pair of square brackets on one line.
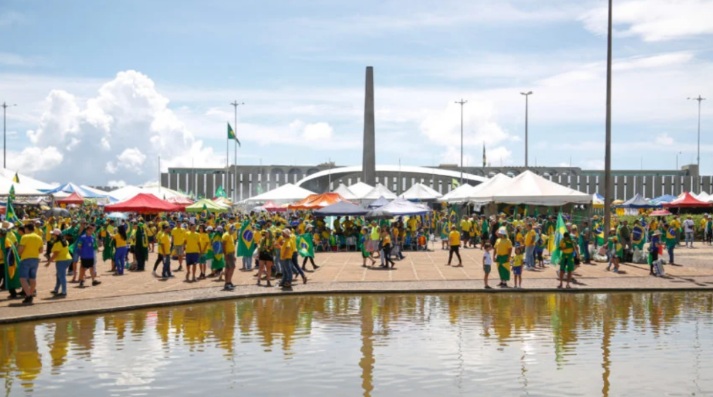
[(378, 345)]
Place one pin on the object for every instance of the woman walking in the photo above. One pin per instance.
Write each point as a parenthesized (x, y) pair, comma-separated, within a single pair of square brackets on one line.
[(386, 247), (120, 241), (62, 258), (308, 251), (265, 259)]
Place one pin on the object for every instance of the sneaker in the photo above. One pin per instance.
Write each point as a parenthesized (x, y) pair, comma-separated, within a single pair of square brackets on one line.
[(27, 301), (95, 283), (81, 284)]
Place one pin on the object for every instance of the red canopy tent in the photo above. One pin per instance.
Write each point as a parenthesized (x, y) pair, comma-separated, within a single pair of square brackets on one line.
[(272, 207), (73, 198), (317, 201), (182, 201), (687, 201), (144, 203)]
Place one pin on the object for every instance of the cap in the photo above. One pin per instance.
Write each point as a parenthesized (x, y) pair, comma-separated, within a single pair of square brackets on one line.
[(56, 232)]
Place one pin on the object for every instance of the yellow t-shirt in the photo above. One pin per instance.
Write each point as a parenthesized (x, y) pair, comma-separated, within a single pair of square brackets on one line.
[(228, 243), (61, 252), (286, 249), (179, 236), (530, 238), (119, 241), (503, 246), (204, 241), (164, 243), (192, 239), (33, 246), (465, 225), (517, 260), (454, 238)]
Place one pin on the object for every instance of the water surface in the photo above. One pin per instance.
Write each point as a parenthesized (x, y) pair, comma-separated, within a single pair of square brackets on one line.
[(374, 345)]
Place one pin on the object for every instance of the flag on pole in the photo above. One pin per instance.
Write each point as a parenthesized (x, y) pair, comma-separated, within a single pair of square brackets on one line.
[(10, 215), (560, 230), (231, 135), (220, 192), (454, 183), (16, 178)]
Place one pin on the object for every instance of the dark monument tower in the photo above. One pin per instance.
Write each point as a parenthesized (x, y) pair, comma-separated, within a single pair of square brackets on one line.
[(368, 163)]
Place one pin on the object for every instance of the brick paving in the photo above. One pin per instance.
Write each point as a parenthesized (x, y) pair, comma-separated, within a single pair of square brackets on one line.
[(342, 272)]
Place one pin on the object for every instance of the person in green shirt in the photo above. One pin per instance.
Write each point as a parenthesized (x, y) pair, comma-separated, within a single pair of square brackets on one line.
[(615, 251), (566, 264)]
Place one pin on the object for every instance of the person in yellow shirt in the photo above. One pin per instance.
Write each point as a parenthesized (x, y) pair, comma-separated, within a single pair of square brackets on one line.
[(164, 251), (530, 239), (29, 249), (567, 247), (503, 250), (286, 249), (517, 261), (465, 230), (121, 241), (62, 258), (229, 252), (204, 242), (454, 243), (151, 235), (178, 234), (193, 252)]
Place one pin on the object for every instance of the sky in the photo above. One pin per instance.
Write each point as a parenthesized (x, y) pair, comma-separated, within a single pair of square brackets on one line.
[(105, 88)]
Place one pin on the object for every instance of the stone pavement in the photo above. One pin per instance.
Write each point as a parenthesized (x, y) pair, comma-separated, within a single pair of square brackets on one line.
[(342, 272)]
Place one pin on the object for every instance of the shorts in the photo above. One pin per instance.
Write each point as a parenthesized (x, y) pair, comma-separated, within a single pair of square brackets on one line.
[(517, 270), (265, 256), (192, 258), (202, 260), (539, 256), (179, 249), (486, 269), (87, 263), (230, 261), (152, 240), (567, 263), (464, 236), (28, 268)]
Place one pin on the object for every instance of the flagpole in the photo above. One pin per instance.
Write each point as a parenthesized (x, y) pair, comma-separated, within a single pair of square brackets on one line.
[(235, 105)]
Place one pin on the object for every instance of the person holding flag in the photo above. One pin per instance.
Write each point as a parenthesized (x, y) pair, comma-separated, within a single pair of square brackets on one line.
[(638, 235), (9, 259), (503, 250), (306, 248), (566, 248), (246, 244)]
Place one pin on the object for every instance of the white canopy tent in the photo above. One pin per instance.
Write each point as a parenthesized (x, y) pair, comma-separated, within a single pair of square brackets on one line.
[(379, 191), (484, 192), (360, 189), (401, 206), (163, 193), (345, 192), (25, 180), (284, 194), (421, 192), (457, 195), (20, 189), (530, 188)]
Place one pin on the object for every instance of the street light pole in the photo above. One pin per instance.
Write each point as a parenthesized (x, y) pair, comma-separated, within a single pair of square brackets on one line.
[(607, 152), (461, 103), (699, 99), (677, 154), (527, 95), (4, 133)]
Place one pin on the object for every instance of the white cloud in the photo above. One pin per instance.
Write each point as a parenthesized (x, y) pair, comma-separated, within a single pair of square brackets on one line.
[(654, 20), (664, 139), (35, 159), (116, 184), (317, 132), (9, 59), (127, 122)]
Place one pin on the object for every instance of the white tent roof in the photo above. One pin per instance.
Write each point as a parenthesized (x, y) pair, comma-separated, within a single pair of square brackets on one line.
[(379, 191), (703, 196), (20, 189), (26, 180), (420, 191), (282, 194), (530, 188), (458, 195), (345, 192), (402, 206), (163, 193), (484, 192), (126, 192), (360, 189)]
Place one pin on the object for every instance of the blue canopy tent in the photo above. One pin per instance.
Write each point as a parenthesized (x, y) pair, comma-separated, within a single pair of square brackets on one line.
[(666, 198), (638, 201), (378, 203), (70, 188)]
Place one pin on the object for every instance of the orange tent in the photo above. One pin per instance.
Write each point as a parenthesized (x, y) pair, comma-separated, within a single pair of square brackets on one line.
[(73, 198), (316, 201)]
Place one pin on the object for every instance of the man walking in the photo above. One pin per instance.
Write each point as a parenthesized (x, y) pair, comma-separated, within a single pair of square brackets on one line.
[(30, 248), (85, 247)]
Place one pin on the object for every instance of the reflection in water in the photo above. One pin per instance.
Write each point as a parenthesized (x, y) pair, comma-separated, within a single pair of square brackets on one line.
[(377, 344)]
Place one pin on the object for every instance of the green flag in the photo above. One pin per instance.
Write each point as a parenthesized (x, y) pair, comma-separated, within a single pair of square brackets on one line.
[(454, 183), (305, 246), (220, 192), (246, 240), (10, 215), (560, 230), (231, 135)]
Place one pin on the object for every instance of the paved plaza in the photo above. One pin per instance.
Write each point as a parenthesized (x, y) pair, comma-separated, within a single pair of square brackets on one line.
[(343, 272)]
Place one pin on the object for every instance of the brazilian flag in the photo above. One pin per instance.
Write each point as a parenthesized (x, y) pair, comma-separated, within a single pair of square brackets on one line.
[(231, 135), (246, 240), (560, 230)]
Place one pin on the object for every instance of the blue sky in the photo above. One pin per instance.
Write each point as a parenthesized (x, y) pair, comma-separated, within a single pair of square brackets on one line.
[(104, 88)]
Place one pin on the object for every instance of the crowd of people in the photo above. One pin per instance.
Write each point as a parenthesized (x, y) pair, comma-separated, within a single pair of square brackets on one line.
[(208, 245)]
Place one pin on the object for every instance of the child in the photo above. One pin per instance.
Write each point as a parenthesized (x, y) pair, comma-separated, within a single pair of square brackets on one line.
[(487, 263), (364, 249), (541, 243), (517, 266)]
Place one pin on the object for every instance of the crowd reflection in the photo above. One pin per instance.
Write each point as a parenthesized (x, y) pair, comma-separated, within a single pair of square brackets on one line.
[(277, 323)]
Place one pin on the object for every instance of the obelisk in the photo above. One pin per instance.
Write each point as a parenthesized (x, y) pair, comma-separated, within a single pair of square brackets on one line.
[(369, 155)]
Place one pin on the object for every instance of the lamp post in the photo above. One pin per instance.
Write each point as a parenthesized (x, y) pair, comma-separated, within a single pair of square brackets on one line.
[(461, 103), (527, 95), (698, 159), (607, 151), (235, 105), (677, 154), (4, 133)]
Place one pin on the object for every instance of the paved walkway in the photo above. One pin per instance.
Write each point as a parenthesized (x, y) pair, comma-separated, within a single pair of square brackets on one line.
[(342, 272)]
